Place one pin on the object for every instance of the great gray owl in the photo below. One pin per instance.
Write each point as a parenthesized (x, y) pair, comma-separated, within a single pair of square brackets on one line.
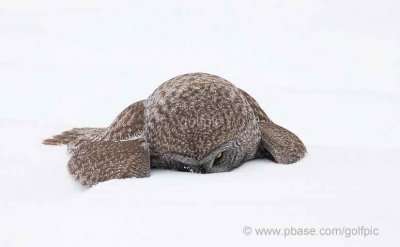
[(194, 122)]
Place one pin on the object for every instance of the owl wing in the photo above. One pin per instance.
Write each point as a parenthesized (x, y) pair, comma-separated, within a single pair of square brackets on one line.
[(92, 162), (258, 112), (284, 146), (101, 154), (128, 124), (277, 142), (69, 136), (119, 152)]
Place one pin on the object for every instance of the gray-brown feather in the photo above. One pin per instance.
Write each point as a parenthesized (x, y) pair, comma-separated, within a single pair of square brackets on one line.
[(277, 143), (92, 162), (283, 145), (69, 136), (194, 114), (128, 124), (100, 154), (259, 113), (193, 122)]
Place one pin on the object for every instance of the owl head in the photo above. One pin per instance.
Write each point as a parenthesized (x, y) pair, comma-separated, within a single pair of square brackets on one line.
[(201, 124)]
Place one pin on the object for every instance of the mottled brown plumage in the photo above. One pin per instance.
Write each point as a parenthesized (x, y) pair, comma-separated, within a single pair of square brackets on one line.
[(194, 122)]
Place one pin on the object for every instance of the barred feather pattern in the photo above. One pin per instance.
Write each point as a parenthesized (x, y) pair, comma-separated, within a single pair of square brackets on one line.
[(100, 154), (195, 122), (284, 146), (96, 161), (259, 113), (277, 143), (194, 114), (69, 136), (128, 124)]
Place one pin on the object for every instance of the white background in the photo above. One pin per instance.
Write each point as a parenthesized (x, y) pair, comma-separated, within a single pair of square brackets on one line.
[(327, 70)]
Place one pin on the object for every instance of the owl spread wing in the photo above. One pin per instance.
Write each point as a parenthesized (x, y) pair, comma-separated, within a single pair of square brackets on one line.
[(98, 161), (276, 142), (69, 136), (101, 154), (258, 112), (128, 124), (284, 146)]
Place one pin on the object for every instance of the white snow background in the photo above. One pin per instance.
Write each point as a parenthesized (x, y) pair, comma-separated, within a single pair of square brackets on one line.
[(327, 70)]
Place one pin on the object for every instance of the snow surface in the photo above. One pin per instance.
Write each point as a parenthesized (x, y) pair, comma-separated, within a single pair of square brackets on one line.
[(327, 70)]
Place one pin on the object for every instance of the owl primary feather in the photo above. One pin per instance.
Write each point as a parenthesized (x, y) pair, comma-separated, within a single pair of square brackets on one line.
[(194, 122)]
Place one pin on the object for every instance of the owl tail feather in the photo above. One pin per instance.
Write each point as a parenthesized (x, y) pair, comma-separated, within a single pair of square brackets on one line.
[(69, 136)]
